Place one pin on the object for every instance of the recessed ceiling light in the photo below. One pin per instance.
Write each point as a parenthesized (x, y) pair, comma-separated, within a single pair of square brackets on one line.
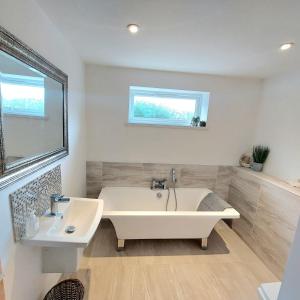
[(286, 46), (133, 28)]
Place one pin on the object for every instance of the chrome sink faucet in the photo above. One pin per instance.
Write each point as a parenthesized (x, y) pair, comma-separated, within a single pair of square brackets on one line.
[(54, 200)]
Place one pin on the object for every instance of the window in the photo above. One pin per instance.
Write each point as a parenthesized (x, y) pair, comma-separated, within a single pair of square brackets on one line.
[(166, 107), (22, 95)]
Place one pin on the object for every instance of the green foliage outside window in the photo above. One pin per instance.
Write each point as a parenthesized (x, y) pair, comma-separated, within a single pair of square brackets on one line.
[(151, 110)]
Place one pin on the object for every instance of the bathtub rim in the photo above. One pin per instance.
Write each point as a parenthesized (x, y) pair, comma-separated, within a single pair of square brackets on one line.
[(228, 213)]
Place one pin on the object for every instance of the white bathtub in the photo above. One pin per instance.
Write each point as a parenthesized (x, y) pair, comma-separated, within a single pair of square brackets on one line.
[(139, 213)]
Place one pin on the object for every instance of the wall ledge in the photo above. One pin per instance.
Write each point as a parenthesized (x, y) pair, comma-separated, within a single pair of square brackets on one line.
[(271, 180)]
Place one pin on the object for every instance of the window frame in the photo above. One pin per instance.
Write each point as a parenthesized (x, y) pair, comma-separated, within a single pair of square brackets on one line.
[(134, 91)]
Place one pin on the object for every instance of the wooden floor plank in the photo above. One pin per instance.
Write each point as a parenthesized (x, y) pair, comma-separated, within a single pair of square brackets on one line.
[(173, 269)]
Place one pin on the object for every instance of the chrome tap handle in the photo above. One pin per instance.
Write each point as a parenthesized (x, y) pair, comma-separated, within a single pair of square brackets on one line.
[(159, 184), (59, 198), (54, 200)]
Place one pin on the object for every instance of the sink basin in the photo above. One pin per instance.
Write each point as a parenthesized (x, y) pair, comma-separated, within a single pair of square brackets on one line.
[(81, 213)]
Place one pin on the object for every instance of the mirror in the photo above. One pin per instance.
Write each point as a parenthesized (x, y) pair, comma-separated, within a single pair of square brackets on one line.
[(32, 109), (33, 97)]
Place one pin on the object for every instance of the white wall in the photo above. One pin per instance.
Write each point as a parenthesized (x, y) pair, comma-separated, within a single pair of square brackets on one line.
[(22, 266), (232, 115), (279, 126)]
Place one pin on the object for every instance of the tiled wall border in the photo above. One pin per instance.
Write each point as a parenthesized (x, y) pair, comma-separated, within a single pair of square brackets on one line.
[(269, 211), (35, 195), (101, 174)]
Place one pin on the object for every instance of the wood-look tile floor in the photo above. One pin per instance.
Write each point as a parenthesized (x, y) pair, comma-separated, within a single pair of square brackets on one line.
[(173, 269)]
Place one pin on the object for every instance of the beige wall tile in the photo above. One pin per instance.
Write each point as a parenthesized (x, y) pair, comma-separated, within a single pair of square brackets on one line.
[(244, 229), (269, 215), (93, 189), (93, 178), (93, 171), (124, 174), (225, 175), (198, 176), (141, 174), (244, 203), (275, 226)]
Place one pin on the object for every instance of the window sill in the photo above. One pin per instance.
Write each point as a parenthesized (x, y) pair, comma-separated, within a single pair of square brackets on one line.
[(26, 116), (165, 126)]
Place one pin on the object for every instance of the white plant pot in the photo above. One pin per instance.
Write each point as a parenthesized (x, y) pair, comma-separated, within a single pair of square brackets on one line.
[(257, 167)]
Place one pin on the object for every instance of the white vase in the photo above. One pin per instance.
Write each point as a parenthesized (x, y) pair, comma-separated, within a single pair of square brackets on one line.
[(257, 167)]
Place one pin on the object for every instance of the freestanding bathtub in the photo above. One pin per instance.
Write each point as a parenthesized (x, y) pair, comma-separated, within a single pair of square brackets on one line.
[(140, 213)]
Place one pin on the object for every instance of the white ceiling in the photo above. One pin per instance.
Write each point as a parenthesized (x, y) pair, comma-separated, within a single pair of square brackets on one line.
[(226, 37)]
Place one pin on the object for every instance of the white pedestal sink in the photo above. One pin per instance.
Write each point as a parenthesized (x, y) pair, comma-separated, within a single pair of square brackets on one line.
[(61, 250)]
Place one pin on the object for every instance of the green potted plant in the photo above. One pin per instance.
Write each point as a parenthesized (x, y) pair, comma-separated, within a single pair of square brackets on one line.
[(195, 121), (259, 155)]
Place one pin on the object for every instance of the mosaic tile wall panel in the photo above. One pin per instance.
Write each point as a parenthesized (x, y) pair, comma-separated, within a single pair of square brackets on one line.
[(35, 195)]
